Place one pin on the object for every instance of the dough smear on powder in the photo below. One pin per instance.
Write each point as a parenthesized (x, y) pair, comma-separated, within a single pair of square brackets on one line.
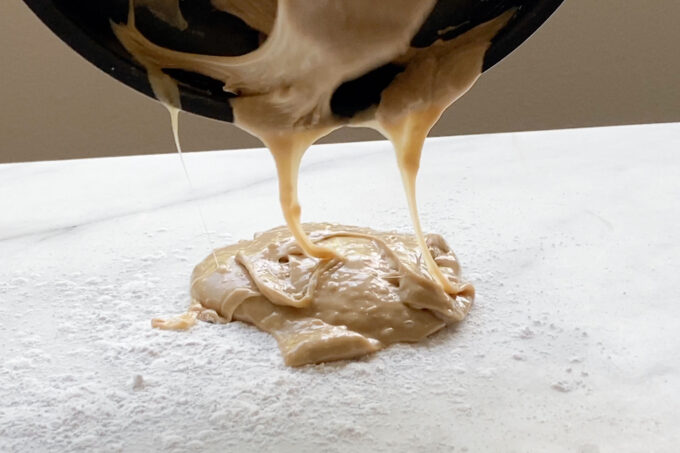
[(318, 302), (319, 310)]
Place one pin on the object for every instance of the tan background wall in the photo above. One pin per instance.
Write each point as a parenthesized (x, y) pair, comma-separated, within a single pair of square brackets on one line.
[(596, 62)]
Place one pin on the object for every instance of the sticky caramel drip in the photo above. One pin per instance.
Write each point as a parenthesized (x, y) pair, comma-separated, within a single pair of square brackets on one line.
[(284, 90)]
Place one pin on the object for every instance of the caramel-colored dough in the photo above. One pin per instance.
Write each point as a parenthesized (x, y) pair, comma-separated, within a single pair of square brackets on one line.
[(284, 89), (319, 310)]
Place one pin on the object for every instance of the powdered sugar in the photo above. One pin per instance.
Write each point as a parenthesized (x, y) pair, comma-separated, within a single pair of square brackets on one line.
[(83, 371)]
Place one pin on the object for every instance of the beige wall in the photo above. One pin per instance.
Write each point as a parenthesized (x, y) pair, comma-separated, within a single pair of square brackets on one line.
[(596, 62)]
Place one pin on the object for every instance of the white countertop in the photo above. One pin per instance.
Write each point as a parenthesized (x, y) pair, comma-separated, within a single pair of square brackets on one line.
[(570, 237)]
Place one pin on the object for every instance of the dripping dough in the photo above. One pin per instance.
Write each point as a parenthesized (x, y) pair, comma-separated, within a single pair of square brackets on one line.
[(334, 294), (319, 310)]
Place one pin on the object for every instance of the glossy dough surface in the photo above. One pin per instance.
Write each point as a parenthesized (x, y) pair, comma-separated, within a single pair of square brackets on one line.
[(379, 293)]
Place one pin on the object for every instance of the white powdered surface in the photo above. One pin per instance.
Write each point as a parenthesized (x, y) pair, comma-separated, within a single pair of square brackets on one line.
[(570, 237)]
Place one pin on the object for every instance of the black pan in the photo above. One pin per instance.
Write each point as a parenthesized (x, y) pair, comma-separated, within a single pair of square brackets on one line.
[(85, 26)]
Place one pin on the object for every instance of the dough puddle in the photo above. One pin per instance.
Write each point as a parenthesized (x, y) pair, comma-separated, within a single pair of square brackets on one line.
[(339, 292), (379, 293)]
